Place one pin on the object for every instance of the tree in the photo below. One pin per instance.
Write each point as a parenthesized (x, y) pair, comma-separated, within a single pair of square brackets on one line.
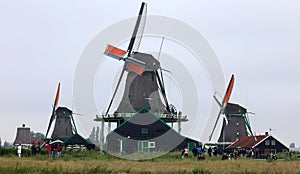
[(292, 145), (92, 136), (7, 145), (37, 135), (97, 135)]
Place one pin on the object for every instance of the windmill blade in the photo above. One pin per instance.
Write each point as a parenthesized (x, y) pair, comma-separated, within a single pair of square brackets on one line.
[(114, 52), (228, 92), (215, 125), (162, 89), (216, 99), (53, 110), (115, 92), (78, 114), (138, 30)]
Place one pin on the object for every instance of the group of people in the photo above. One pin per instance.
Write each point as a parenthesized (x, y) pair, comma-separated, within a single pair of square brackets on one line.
[(197, 153), (54, 150), (35, 149)]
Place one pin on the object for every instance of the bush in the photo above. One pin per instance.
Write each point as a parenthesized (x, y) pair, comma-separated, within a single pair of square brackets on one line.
[(13, 152)]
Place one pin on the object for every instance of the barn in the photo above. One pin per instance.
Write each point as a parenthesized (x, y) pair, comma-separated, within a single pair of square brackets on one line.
[(260, 144)]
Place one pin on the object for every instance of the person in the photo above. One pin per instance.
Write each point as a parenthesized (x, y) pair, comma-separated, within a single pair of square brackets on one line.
[(38, 148), (59, 148), (195, 152), (48, 149), (224, 156), (235, 154), (55, 150), (215, 151), (209, 151), (19, 150), (186, 152), (33, 149), (199, 151)]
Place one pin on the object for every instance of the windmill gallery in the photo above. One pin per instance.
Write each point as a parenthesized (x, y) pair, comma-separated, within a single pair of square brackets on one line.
[(144, 117)]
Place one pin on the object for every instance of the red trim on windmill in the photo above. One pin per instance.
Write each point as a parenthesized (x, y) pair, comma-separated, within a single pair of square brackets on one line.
[(114, 52)]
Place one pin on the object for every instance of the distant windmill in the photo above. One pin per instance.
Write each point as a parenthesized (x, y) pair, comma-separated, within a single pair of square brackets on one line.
[(236, 123), (23, 136), (64, 124)]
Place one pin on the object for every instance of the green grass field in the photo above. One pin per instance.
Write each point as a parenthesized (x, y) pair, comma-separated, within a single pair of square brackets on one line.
[(94, 162)]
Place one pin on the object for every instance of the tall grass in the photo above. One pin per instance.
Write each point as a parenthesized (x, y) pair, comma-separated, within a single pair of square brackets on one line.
[(95, 162)]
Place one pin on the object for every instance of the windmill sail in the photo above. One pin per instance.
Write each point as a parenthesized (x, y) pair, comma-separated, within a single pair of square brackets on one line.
[(223, 104), (53, 110), (138, 31), (114, 52), (131, 64)]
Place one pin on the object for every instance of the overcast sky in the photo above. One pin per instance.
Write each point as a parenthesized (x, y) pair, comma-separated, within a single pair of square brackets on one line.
[(258, 41)]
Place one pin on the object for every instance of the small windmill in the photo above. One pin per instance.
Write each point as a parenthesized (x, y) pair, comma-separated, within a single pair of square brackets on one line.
[(236, 123), (64, 123)]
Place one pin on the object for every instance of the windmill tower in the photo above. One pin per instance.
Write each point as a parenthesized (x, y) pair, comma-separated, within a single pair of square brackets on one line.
[(64, 123), (23, 136), (237, 124), (142, 114)]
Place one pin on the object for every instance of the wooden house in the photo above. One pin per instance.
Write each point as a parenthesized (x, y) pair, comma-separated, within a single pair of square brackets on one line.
[(260, 144)]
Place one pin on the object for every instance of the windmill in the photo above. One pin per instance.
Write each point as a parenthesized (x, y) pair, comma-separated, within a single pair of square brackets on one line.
[(143, 79), (236, 123), (23, 136), (142, 113), (64, 123)]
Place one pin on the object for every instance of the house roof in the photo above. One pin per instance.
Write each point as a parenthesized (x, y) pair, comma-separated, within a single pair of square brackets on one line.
[(77, 139), (247, 142), (146, 110)]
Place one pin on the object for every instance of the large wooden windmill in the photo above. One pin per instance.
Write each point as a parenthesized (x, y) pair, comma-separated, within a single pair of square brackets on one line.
[(141, 115)]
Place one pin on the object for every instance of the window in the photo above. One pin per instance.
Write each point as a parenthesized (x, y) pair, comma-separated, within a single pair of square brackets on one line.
[(144, 131), (267, 142), (143, 146), (273, 142)]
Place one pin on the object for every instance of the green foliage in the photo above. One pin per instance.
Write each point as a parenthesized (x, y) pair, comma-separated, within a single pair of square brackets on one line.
[(9, 152), (36, 135)]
